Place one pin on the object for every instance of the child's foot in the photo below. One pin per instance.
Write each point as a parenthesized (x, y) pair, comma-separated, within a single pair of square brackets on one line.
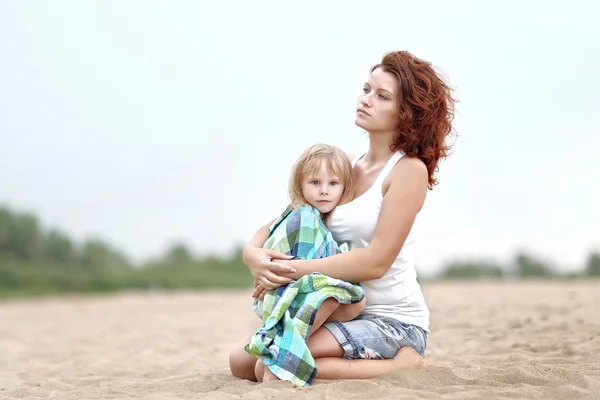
[(259, 370), (268, 376)]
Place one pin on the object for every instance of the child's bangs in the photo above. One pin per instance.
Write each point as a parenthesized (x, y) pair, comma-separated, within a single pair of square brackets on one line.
[(334, 167), (312, 167)]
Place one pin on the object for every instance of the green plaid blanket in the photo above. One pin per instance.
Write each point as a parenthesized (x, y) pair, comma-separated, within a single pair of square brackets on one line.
[(289, 311), (301, 233)]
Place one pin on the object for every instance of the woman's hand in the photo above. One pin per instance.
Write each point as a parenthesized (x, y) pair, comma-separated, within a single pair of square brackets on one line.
[(265, 269)]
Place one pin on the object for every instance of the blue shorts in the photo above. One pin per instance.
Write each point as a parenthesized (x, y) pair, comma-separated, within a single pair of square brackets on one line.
[(370, 336)]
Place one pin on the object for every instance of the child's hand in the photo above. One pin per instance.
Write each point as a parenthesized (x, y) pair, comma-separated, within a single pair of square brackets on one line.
[(259, 291)]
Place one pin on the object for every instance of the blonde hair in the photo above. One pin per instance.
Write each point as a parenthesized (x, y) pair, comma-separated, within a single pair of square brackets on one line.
[(309, 163)]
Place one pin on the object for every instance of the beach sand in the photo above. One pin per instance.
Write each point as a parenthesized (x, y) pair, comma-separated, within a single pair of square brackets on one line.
[(529, 340)]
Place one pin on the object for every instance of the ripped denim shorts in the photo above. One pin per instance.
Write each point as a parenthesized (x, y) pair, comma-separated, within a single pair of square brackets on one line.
[(370, 336)]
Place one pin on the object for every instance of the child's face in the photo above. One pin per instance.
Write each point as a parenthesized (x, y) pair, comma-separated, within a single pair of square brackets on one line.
[(322, 190)]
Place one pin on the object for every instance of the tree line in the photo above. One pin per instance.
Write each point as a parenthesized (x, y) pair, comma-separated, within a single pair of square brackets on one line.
[(39, 260), (522, 266)]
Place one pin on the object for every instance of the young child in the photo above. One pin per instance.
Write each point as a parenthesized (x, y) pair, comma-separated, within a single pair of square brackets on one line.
[(319, 179)]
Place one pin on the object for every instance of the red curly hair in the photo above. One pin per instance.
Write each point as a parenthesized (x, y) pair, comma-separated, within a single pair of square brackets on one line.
[(426, 110)]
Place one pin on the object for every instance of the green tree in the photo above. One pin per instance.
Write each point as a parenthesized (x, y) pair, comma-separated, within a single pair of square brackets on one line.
[(19, 234), (592, 265), (58, 247), (97, 254), (6, 223), (528, 266), (178, 254), (472, 269)]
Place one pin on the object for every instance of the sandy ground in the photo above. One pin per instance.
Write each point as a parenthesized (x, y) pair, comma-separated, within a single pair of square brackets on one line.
[(491, 340)]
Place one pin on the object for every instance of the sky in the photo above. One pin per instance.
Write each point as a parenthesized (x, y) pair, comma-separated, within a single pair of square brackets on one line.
[(151, 122)]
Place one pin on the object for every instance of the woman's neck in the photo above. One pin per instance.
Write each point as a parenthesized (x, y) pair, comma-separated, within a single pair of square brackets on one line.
[(379, 148)]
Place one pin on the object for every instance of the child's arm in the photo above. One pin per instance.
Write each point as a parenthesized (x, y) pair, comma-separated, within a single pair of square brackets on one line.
[(260, 261)]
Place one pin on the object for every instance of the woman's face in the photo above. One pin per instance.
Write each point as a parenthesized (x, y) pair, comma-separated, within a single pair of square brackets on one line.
[(377, 108)]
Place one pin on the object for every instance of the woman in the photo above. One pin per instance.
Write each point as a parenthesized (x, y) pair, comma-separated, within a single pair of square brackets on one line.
[(407, 110)]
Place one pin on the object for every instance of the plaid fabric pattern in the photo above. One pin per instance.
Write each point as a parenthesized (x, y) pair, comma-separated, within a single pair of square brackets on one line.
[(301, 233), (288, 312)]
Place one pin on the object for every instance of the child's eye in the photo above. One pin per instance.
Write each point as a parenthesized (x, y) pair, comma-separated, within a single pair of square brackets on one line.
[(315, 182), (334, 183)]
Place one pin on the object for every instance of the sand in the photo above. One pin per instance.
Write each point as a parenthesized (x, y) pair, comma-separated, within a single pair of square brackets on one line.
[(530, 340)]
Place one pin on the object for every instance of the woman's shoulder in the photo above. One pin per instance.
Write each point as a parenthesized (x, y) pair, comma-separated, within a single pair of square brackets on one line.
[(408, 170), (411, 164)]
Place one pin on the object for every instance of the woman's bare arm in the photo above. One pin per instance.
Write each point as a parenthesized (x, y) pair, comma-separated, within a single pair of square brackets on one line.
[(402, 200)]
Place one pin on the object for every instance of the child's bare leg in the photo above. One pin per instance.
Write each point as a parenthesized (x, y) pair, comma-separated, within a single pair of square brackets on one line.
[(347, 312), (327, 308)]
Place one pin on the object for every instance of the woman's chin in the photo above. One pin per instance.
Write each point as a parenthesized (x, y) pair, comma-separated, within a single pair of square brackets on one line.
[(360, 123)]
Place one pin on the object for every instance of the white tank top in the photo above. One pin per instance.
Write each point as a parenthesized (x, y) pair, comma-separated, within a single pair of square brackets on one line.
[(397, 294)]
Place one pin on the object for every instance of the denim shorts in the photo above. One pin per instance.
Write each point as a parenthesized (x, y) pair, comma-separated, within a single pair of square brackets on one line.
[(370, 336)]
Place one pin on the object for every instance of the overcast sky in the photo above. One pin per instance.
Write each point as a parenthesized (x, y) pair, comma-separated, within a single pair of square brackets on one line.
[(145, 122)]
